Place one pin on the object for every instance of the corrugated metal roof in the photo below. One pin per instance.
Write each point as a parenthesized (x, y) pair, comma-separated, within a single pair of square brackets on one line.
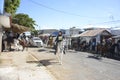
[(118, 36), (91, 33), (115, 32)]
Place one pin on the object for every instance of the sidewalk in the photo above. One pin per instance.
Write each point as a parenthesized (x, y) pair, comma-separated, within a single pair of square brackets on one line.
[(13, 66)]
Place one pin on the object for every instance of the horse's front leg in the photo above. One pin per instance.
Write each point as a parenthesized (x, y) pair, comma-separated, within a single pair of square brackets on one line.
[(23, 48), (58, 54), (61, 56), (27, 48)]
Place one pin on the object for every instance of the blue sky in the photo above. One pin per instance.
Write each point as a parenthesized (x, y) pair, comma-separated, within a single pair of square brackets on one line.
[(1, 6), (85, 12)]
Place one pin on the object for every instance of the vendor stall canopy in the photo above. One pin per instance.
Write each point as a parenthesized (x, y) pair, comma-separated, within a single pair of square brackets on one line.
[(18, 28)]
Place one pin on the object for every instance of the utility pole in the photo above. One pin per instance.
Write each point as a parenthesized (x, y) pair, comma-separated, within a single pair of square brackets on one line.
[(111, 17), (1, 27), (1, 32)]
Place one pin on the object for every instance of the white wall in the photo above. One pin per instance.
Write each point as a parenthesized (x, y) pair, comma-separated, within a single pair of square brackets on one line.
[(98, 38), (89, 38)]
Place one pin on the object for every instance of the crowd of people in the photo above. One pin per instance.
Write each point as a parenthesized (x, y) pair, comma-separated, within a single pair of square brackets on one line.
[(10, 39), (107, 47)]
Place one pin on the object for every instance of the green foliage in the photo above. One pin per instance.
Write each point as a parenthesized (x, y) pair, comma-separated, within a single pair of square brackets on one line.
[(11, 6), (35, 32), (24, 20)]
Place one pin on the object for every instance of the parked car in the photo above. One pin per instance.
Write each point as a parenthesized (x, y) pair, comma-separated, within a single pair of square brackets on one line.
[(36, 41)]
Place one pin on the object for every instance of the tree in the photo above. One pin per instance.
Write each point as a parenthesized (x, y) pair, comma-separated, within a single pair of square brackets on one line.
[(35, 32), (21, 19), (11, 6), (24, 20)]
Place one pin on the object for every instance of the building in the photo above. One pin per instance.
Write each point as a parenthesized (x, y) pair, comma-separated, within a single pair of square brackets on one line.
[(99, 34), (116, 34), (47, 31)]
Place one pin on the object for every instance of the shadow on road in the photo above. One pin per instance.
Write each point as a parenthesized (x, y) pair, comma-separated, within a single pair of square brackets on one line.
[(41, 50), (94, 57), (33, 62), (51, 51), (47, 62)]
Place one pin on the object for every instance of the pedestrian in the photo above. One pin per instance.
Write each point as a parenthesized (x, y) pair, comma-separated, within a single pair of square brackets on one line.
[(10, 39), (23, 40), (4, 41), (112, 49), (90, 44), (118, 46), (78, 43), (94, 44), (50, 41)]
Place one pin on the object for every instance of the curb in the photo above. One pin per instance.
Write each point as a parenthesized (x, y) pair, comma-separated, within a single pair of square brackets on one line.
[(43, 67)]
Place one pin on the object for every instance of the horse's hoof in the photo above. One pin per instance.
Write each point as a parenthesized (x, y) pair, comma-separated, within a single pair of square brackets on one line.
[(60, 63)]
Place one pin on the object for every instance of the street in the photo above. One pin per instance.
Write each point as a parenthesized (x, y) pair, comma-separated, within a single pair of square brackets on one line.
[(30, 33), (77, 65)]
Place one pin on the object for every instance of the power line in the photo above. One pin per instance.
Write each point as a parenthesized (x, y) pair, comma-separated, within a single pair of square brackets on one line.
[(60, 11), (111, 22), (69, 13)]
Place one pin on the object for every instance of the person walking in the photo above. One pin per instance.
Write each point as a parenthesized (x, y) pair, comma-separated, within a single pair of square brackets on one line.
[(94, 44), (23, 41), (78, 43), (118, 47), (50, 41), (4, 42)]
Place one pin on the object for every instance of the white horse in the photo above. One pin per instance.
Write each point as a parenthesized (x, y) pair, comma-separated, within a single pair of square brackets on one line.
[(60, 51), (17, 45)]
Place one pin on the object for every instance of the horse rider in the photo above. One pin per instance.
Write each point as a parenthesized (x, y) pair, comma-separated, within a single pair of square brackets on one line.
[(59, 44)]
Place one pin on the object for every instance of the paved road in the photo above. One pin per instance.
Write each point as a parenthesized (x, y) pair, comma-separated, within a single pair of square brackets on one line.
[(78, 65)]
